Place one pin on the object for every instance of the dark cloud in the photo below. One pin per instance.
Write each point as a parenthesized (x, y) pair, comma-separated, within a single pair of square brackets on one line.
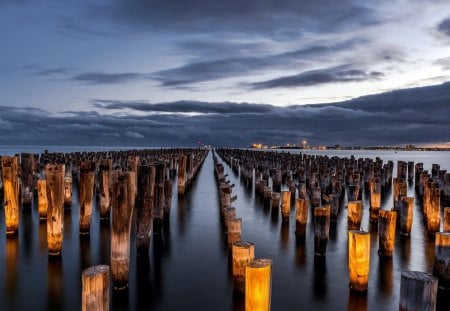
[(53, 71), (443, 62), (107, 78), (214, 69), (444, 26), (183, 107), (418, 115), (282, 19), (337, 74)]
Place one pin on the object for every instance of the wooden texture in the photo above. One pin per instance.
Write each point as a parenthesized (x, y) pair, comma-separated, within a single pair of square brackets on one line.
[(386, 232), (321, 230), (358, 259), (144, 207), (55, 216), (120, 235), (105, 188), (301, 216), (441, 267), (42, 198), (285, 205), (242, 253), (354, 216), (258, 285), (418, 291), (95, 288), (405, 213), (85, 194)]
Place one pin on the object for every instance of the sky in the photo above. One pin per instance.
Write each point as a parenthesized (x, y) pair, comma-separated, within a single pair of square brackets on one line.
[(184, 72)]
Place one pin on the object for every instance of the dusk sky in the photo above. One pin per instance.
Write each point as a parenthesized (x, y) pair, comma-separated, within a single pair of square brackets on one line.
[(169, 73)]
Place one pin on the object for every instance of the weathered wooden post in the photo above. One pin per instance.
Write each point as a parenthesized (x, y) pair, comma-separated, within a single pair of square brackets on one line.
[(285, 205), (95, 284), (275, 201), (405, 211), (229, 213), (158, 207), (86, 192), (321, 229), (359, 259), (234, 231), (67, 191), (146, 196), (55, 195), (418, 291), (11, 201), (42, 198), (375, 202), (104, 175), (386, 232), (167, 199), (446, 219), (120, 235), (181, 175), (434, 212), (301, 216), (258, 285), (441, 267), (354, 214), (242, 253)]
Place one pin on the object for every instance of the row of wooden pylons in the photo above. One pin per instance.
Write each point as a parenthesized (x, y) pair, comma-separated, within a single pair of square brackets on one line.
[(122, 180), (323, 182), (251, 277)]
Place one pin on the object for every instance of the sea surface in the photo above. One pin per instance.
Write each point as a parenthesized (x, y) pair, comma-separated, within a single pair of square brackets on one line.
[(188, 266)]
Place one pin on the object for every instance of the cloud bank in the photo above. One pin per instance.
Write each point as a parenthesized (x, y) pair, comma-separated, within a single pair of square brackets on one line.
[(417, 115)]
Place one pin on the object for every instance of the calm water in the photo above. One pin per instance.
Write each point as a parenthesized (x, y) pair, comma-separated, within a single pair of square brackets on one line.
[(188, 265)]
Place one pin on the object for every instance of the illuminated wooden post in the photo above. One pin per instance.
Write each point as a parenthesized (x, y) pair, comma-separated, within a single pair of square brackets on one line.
[(386, 232), (95, 288), (258, 285), (446, 219), (26, 178), (434, 212), (267, 196), (405, 211), (285, 205), (234, 231), (86, 192), (418, 291), (301, 216), (167, 199), (11, 206), (68, 191), (441, 267), (358, 259), (181, 175), (120, 235), (242, 253), (375, 202), (146, 196), (321, 230), (42, 198), (354, 215), (104, 176), (54, 174)]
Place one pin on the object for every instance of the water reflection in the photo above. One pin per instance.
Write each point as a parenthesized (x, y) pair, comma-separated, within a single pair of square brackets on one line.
[(104, 241), (404, 251), (27, 230), (181, 216), (55, 283), (85, 250), (385, 275), (320, 278), (43, 236), (11, 262), (120, 299), (357, 301), (144, 290), (284, 235), (300, 251)]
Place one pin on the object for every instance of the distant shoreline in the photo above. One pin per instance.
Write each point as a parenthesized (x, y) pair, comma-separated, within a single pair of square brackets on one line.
[(361, 148)]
